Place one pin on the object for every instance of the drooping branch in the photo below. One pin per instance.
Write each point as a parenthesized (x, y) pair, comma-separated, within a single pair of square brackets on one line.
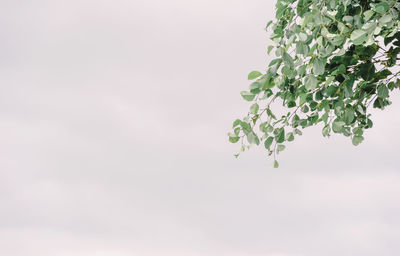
[(333, 59)]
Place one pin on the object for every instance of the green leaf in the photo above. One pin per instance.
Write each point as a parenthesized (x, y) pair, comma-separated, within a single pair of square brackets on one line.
[(267, 82), (341, 69), (254, 75), (254, 109), (270, 114), (348, 19), (288, 60), (311, 82), (337, 126), (302, 70), (367, 71), (357, 140), (303, 7), (276, 164), (268, 142), (382, 7), (274, 66), (303, 98), (291, 104), (252, 138), (270, 48), (281, 136), (385, 19), (379, 103), (280, 148), (302, 36), (358, 131), (236, 123), (280, 9), (338, 40), (247, 95), (268, 24), (255, 87), (246, 127), (301, 48), (326, 130), (290, 136), (318, 67), (383, 91), (263, 126), (234, 139), (358, 36), (298, 132), (368, 14), (348, 115)]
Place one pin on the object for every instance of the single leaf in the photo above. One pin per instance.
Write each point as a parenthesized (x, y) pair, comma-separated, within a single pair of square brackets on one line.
[(338, 40), (280, 148), (281, 136), (254, 75), (288, 60), (326, 130), (348, 115), (254, 109), (290, 136), (382, 7), (383, 91), (368, 14), (311, 82), (318, 67), (270, 49), (247, 95), (302, 36), (337, 126), (236, 123), (367, 71), (357, 140), (234, 139), (385, 19), (298, 132), (252, 138), (358, 36), (270, 114), (268, 142)]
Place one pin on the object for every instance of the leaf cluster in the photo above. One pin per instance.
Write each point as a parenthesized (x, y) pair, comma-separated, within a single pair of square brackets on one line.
[(333, 59)]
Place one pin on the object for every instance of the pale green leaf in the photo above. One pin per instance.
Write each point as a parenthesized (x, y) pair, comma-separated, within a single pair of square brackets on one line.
[(357, 140), (358, 36), (254, 75), (247, 95), (254, 109), (311, 82), (337, 126), (368, 14), (318, 67), (382, 7)]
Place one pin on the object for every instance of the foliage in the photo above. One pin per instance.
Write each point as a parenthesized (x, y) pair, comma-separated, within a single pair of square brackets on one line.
[(334, 58)]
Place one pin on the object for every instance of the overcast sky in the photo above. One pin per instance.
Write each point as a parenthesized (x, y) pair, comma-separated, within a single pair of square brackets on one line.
[(113, 122)]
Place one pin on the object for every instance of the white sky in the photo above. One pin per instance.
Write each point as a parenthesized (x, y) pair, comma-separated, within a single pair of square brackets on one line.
[(113, 122)]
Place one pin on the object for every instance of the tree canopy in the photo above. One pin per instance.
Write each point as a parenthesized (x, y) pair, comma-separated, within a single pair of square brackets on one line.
[(333, 60)]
